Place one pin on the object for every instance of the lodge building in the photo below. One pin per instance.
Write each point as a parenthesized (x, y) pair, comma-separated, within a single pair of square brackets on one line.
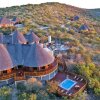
[(23, 57), (5, 22)]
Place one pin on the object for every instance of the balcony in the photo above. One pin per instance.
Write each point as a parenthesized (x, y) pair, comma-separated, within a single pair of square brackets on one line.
[(50, 69), (19, 74)]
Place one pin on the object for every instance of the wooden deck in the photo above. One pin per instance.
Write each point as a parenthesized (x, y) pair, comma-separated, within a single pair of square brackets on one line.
[(79, 86), (19, 74)]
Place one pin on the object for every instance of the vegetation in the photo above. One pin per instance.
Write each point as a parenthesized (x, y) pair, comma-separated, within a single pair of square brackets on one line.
[(5, 93), (55, 19), (92, 74)]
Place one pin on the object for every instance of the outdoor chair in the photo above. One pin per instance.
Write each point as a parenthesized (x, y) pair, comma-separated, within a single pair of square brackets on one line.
[(77, 86), (67, 92), (70, 94), (75, 77), (81, 79), (78, 78), (62, 90)]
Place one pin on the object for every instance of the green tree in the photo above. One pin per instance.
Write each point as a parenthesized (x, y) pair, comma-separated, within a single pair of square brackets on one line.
[(5, 93), (33, 85), (23, 96), (21, 87)]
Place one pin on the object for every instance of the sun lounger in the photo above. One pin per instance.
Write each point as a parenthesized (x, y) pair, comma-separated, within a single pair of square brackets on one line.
[(75, 77), (67, 92), (62, 90), (78, 78), (81, 79), (77, 86), (67, 76), (70, 94)]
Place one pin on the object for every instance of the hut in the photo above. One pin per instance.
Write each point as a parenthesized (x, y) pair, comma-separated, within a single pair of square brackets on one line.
[(32, 37), (5, 22), (16, 20), (17, 37), (75, 18), (83, 27)]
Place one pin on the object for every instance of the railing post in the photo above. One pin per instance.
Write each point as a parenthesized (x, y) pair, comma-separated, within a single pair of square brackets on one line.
[(49, 76), (41, 77)]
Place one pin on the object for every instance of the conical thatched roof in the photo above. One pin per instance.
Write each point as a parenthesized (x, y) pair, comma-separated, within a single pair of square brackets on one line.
[(15, 52), (32, 37), (1, 37), (5, 60), (18, 37), (84, 27), (38, 56), (15, 20), (5, 20), (75, 18)]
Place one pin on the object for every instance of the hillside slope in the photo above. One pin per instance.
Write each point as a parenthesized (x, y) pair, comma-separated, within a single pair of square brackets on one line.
[(82, 35), (48, 12)]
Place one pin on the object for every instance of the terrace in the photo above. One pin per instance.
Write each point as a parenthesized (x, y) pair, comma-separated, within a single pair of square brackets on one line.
[(69, 84), (21, 73)]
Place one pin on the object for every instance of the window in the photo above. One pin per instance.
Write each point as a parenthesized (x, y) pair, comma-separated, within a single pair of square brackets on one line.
[(35, 68), (20, 66), (43, 67), (5, 72)]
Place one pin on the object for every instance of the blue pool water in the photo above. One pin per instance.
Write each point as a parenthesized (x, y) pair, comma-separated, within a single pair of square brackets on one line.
[(67, 84)]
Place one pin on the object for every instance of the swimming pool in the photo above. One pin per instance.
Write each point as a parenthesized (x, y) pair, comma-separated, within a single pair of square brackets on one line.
[(67, 84)]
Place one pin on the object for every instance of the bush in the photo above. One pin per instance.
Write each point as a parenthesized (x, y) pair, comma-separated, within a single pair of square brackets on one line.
[(21, 87), (33, 85), (5, 93), (23, 96)]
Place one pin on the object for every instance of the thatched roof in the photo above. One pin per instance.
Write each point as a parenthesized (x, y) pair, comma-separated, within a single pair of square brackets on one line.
[(1, 37), (15, 20), (5, 60), (32, 55), (76, 18), (15, 52), (32, 37), (18, 37), (84, 27), (5, 20), (38, 56)]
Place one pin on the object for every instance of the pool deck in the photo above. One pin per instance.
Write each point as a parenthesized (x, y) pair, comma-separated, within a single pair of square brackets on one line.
[(79, 86)]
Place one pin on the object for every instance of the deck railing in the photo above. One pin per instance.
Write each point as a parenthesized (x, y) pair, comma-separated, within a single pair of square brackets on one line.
[(14, 75), (7, 76), (17, 78), (38, 73)]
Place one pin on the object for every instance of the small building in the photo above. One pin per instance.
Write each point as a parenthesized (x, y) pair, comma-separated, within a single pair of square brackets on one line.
[(5, 22), (17, 37), (31, 37), (75, 18), (16, 20), (84, 27), (20, 60)]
